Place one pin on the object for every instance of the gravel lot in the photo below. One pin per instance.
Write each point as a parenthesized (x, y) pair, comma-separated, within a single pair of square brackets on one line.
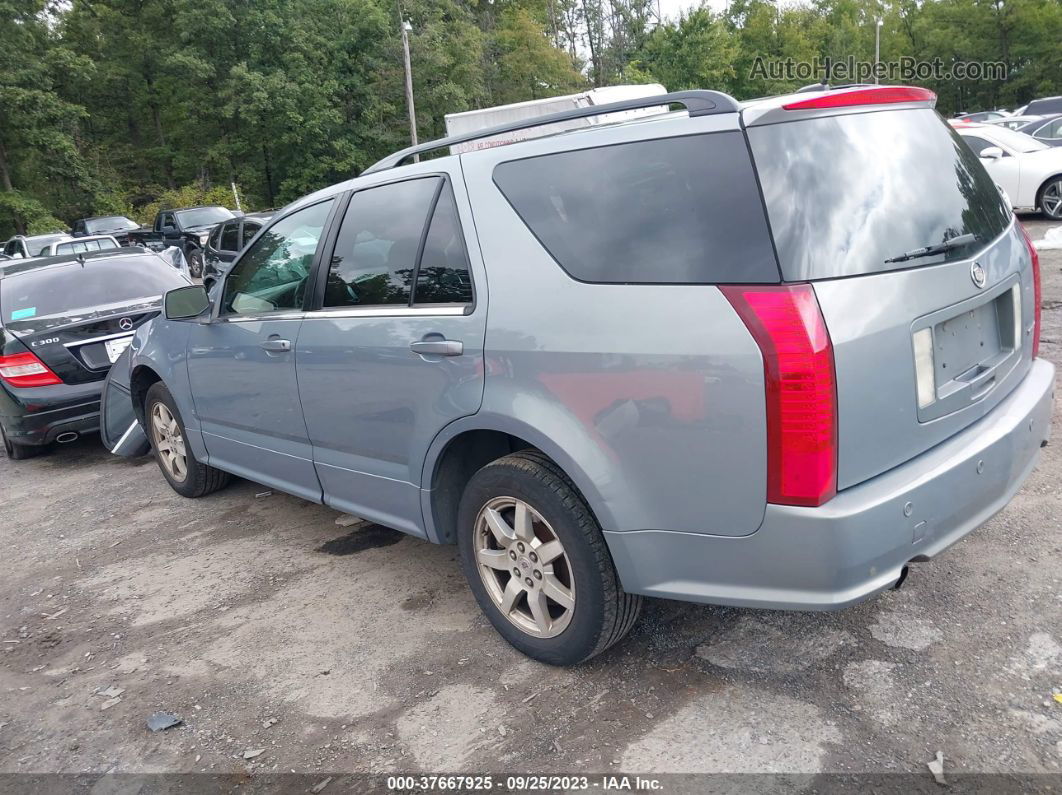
[(264, 625)]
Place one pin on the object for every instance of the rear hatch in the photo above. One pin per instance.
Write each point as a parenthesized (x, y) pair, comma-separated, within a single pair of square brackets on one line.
[(77, 318), (924, 344)]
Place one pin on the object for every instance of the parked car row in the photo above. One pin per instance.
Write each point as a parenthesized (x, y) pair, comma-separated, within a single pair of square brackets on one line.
[(185, 228), (1028, 170)]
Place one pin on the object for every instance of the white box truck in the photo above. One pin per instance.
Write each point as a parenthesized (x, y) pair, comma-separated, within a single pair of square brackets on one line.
[(473, 120)]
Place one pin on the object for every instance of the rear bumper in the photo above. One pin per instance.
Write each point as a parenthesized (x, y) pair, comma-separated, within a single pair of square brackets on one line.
[(37, 416), (858, 543)]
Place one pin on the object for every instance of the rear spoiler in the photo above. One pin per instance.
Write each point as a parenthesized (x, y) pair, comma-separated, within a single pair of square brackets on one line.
[(824, 101)]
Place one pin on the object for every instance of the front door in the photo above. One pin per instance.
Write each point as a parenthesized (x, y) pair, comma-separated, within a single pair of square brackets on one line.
[(241, 366), (396, 351)]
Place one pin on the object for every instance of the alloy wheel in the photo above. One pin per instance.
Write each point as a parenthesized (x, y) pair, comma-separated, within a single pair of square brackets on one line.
[(1051, 200), (169, 442), (524, 567)]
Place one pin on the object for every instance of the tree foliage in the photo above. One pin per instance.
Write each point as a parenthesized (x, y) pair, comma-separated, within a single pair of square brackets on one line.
[(127, 105)]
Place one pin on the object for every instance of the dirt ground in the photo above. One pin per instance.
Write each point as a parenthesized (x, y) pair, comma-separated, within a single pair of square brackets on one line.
[(267, 627)]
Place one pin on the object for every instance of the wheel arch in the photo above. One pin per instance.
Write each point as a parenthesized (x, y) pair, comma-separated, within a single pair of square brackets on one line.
[(465, 446), (141, 380)]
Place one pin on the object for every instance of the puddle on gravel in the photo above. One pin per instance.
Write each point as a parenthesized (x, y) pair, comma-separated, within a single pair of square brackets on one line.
[(361, 539)]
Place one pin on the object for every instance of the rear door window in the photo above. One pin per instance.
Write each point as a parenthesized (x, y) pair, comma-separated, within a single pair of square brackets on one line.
[(846, 193), (249, 231), (671, 211), (230, 237), (1051, 131)]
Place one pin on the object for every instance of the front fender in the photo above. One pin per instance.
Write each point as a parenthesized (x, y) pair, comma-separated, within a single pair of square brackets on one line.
[(160, 346)]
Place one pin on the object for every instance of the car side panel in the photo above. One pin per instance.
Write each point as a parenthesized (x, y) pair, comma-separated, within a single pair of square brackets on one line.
[(655, 393)]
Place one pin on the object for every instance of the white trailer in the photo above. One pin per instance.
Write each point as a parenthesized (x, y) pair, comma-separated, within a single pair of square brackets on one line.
[(473, 120)]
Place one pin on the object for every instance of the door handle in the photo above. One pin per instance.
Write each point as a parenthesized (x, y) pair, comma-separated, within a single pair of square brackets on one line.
[(438, 347), (274, 345)]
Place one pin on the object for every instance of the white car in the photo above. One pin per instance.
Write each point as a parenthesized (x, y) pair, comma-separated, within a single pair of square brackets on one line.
[(1029, 171), (80, 245)]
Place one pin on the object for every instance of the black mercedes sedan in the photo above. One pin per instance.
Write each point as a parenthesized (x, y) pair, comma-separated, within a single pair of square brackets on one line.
[(63, 322)]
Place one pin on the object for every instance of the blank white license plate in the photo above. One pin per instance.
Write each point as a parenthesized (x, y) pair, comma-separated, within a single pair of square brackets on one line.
[(115, 347)]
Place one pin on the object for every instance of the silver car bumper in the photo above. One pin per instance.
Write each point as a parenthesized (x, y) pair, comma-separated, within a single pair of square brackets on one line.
[(857, 544)]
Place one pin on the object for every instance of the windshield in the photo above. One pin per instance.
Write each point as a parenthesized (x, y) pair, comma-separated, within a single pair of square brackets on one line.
[(847, 193), (110, 223), (37, 245), (1018, 141), (203, 216)]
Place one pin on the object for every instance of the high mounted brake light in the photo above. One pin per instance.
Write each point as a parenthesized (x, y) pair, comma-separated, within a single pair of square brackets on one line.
[(789, 329), (26, 370), (877, 95)]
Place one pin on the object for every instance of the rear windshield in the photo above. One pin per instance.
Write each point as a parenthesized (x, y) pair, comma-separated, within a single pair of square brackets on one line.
[(53, 290), (668, 211), (78, 246), (37, 245), (110, 223), (203, 216), (846, 193)]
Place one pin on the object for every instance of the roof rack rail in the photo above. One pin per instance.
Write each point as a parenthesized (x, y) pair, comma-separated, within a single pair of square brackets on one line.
[(697, 103)]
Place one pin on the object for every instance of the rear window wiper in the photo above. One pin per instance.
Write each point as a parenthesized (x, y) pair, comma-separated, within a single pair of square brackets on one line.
[(939, 248)]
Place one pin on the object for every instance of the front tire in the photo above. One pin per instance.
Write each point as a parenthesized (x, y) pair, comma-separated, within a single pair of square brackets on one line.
[(537, 563), (1051, 198), (195, 261), (182, 471)]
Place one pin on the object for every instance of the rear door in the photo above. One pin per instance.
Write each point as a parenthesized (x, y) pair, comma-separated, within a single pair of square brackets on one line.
[(924, 345), (241, 366), (396, 350)]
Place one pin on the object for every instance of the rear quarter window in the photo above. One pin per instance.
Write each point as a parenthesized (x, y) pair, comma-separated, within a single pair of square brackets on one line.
[(681, 210)]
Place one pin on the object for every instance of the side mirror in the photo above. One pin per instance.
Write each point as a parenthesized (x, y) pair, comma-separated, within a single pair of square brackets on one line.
[(186, 303), (991, 153)]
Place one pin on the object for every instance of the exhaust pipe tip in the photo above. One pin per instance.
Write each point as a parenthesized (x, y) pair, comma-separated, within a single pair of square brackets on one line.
[(67, 437)]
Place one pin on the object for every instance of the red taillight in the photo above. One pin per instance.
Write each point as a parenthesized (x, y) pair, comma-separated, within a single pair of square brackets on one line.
[(1036, 291), (25, 369), (798, 367), (876, 95)]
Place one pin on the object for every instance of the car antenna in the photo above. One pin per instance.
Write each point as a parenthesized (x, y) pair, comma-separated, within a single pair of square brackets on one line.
[(81, 259)]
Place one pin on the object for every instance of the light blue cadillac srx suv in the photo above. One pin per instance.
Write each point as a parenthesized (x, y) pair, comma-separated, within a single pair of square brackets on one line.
[(763, 354)]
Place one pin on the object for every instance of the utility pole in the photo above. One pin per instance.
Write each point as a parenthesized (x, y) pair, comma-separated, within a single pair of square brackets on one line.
[(877, 47), (406, 28)]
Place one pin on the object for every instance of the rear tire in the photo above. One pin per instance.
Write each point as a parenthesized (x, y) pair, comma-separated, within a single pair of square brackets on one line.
[(565, 605), (165, 430), (20, 452), (1051, 198)]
